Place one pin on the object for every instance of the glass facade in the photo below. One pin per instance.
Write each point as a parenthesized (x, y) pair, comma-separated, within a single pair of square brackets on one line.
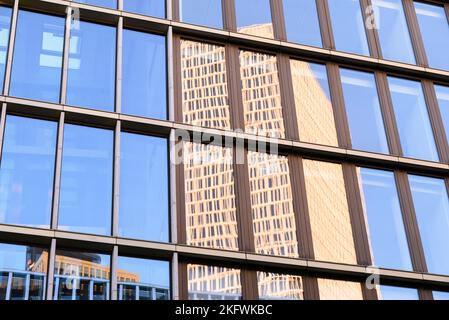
[(202, 12), (101, 3), (301, 22), (396, 293), (274, 286), (154, 8), (254, 17), (5, 26), (443, 102), (339, 290)]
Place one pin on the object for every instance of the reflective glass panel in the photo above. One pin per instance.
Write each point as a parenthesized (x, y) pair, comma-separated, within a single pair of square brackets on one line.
[(274, 286), (443, 102), (301, 22), (37, 62), (27, 171), (348, 26), (202, 12), (363, 110), (213, 283), (81, 276), (143, 188), (431, 203), (339, 290), (386, 226), (86, 180), (439, 295), (154, 8), (261, 94), (23, 272), (412, 119), (211, 219), (393, 32), (272, 205), (5, 26), (144, 85), (204, 85), (254, 17), (91, 74), (434, 29), (397, 293), (329, 214), (101, 3), (313, 103), (143, 279)]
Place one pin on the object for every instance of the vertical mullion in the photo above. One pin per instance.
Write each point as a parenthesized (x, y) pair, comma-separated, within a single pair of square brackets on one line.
[(425, 294), (2, 128), (386, 105), (341, 119), (58, 168), (176, 10), (183, 281), (177, 81), (120, 4), (12, 36), (325, 24), (410, 222), (169, 9), (51, 270), (277, 20), (113, 273), (249, 283), (235, 87), (287, 97), (65, 61), (174, 277), (116, 179), (415, 33), (229, 16), (171, 74), (435, 118), (174, 189), (118, 72), (371, 33)]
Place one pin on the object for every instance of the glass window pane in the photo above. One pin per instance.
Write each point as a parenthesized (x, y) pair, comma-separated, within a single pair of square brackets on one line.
[(339, 290), (37, 62), (204, 85), (143, 279), (329, 214), (101, 3), (434, 29), (5, 26), (412, 119), (154, 8), (81, 276), (314, 112), (86, 180), (144, 82), (384, 216), (22, 272), (143, 188), (397, 293), (301, 22), (254, 17), (202, 12), (213, 283), (91, 75), (274, 224), (439, 295), (27, 171), (363, 110), (261, 94), (393, 31), (274, 286), (431, 203), (211, 218), (348, 26), (443, 102)]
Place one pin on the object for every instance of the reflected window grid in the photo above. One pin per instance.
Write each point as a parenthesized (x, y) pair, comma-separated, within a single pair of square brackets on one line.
[(254, 17)]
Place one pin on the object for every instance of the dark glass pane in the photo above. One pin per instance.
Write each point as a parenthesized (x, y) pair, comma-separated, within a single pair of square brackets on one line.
[(81, 276), (144, 188), (431, 203), (393, 32), (143, 279), (27, 171), (202, 12), (144, 90), (36, 71), (254, 17), (386, 225), (301, 22), (91, 75), (412, 119), (363, 110), (434, 29), (5, 26), (154, 8), (101, 3), (86, 180), (348, 26)]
